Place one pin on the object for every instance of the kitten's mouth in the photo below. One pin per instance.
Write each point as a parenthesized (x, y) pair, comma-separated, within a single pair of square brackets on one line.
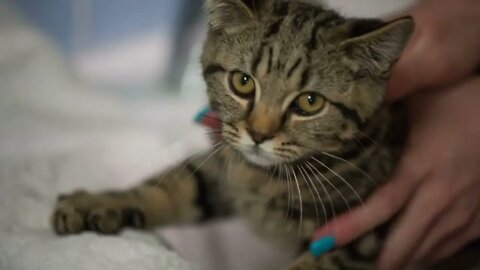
[(258, 156)]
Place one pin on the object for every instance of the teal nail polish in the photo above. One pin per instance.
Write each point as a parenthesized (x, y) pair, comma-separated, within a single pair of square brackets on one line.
[(199, 117), (322, 246)]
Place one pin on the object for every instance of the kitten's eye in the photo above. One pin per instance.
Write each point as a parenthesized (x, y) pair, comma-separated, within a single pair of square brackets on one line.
[(308, 104), (242, 84)]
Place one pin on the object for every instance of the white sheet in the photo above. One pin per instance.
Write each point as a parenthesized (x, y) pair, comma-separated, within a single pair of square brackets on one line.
[(57, 134)]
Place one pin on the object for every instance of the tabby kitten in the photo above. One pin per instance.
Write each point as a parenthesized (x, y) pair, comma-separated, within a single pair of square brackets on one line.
[(305, 134)]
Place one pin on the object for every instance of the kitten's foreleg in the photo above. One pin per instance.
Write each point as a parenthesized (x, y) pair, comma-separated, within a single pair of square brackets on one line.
[(184, 194)]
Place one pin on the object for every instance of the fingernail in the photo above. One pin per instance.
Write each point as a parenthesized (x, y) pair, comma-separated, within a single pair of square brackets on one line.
[(199, 117), (322, 246)]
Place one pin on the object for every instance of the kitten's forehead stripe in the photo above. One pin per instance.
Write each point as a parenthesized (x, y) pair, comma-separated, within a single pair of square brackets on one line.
[(305, 79), (270, 56), (294, 67), (263, 62), (258, 58), (312, 44), (328, 18)]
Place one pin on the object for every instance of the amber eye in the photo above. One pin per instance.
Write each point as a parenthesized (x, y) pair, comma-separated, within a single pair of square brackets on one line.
[(308, 104), (242, 84)]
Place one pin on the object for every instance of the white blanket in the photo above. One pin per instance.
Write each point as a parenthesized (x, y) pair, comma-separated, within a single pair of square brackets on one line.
[(57, 134)]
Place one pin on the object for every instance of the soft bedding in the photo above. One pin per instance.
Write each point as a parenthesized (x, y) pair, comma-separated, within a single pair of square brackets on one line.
[(57, 134)]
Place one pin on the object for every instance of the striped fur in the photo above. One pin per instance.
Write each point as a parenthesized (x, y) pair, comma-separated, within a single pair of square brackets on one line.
[(322, 165)]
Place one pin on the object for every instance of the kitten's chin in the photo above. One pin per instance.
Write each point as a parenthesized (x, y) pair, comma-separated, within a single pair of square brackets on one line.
[(260, 158)]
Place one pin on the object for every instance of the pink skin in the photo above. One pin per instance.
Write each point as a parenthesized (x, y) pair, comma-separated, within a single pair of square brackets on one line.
[(444, 48), (436, 187)]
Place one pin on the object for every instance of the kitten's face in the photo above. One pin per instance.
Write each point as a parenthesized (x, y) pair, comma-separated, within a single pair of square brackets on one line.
[(290, 82)]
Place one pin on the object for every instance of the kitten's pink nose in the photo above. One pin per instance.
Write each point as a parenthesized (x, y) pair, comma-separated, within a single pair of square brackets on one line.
[(257, 137), (263, 122)]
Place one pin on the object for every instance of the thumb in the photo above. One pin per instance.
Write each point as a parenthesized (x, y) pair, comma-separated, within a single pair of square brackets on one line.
[(381, 207)]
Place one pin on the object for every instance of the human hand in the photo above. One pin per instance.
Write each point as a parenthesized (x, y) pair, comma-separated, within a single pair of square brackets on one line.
[(444, 48), (437, 184)]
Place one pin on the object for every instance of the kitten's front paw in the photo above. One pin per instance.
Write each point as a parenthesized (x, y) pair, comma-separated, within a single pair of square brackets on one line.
[(81, 211)]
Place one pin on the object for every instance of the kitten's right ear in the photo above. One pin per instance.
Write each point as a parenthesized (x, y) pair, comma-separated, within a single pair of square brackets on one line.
[(229, 15), (375, 46)]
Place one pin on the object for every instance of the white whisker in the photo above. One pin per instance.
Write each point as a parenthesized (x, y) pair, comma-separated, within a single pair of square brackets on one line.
[(290, 192), (340, 177), (220, 147), (368, 137), (318, 195), (226, 169), (352, 165), (332, 206), (301, 202)]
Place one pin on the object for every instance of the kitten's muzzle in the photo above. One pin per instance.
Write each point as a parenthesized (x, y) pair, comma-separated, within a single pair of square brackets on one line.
[(257, 137)]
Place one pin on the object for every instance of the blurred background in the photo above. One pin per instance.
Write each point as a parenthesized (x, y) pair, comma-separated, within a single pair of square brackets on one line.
[(124, 44), (142, 45), (99, 94)]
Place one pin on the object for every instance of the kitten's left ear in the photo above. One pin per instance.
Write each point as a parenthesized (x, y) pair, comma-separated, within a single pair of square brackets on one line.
[(230, 15), (374, 46)]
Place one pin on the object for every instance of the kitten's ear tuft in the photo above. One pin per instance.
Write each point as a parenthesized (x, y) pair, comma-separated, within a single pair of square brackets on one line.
[(228, 15), (376, 45)]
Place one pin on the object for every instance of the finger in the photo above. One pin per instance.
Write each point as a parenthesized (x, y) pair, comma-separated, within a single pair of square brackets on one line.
[(420, 216), (379, 208), (456, 220), (455, 244)]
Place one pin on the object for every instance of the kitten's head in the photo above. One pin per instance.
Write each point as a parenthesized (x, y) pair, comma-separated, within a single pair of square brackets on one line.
[(289, 79)]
